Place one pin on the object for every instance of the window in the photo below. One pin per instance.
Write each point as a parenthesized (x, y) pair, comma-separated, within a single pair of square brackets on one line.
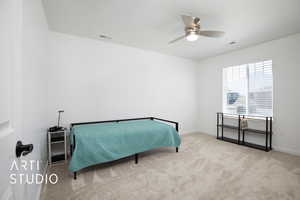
[(248, 89)]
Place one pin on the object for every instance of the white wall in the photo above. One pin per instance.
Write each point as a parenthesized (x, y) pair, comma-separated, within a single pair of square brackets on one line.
[(285, 54), (33, 79), (95, 80)]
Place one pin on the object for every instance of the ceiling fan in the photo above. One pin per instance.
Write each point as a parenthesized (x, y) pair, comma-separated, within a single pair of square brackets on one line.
[(192, 30)]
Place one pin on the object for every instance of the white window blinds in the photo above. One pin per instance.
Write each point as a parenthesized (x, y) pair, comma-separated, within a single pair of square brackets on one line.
[(248, 89)]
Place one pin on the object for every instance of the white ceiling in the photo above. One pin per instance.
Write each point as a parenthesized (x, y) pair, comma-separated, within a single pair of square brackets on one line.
[(151, 24)]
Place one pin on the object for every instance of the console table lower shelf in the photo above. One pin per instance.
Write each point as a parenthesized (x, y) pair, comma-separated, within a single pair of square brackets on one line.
[(247, 144), (241, 132)]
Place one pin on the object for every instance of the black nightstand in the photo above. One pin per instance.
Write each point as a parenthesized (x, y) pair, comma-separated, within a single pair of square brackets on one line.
[(57, 146)]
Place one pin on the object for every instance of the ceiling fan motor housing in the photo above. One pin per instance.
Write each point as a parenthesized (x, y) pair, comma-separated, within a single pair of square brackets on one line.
[(195, 30)]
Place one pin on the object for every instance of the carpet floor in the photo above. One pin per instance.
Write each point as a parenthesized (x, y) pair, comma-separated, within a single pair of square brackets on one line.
[(204, 168)]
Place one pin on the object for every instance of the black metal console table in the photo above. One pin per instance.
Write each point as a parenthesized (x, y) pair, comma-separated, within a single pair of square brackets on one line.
[(241, 132)]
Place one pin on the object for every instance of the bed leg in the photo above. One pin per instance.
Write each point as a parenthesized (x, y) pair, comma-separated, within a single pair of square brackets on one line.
[(75, 175), (136, 158), (176, 149)]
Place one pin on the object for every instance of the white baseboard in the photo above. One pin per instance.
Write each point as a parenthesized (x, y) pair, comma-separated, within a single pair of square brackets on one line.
[(285, 150), (205, 133), (184, 132), (40, 186)]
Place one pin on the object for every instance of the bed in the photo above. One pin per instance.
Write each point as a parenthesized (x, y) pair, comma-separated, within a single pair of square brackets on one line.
[(103, 141)]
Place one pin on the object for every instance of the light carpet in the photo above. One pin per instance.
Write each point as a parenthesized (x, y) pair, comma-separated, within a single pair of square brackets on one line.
[(204, 168)]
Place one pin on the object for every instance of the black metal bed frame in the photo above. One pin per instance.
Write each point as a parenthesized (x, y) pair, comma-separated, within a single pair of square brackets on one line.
[(267, 132), (72, 147)]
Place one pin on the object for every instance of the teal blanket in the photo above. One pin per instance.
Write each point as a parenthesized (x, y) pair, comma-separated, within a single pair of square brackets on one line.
[(103, 142)]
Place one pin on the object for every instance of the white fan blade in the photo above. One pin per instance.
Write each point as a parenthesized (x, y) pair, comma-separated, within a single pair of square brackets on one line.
[(214, 34), (190, 21), (179, 38)]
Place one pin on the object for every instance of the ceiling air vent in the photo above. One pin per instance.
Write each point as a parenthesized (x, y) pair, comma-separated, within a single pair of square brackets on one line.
[(105, 37)]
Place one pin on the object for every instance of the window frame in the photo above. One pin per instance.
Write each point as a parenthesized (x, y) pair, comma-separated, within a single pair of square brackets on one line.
[(259, 117)]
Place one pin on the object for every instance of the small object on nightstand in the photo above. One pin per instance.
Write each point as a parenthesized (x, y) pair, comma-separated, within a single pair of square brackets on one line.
[(57, 145)]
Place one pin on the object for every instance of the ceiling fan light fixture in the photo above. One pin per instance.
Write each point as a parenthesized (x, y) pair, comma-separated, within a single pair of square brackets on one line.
[(192, 36)]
